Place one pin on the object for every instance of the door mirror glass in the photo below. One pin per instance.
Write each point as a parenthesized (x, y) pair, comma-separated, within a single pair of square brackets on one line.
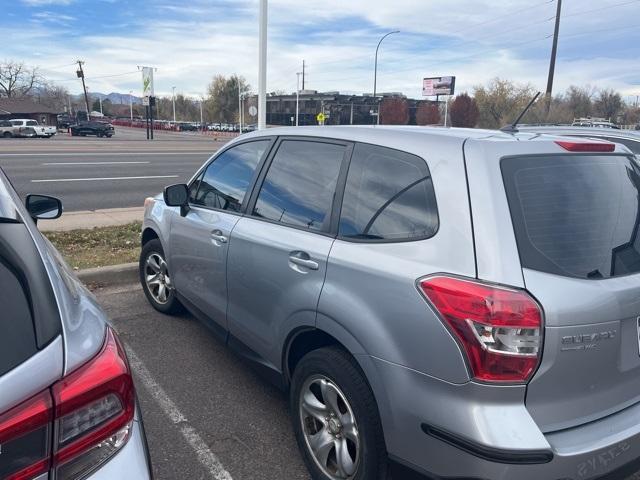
[(176, 195), (43, 207)]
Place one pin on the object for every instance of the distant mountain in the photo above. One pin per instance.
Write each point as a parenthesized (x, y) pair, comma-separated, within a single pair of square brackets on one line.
[(114, 97)]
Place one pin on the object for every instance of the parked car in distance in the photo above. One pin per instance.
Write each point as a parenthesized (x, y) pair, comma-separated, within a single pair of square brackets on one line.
[(187, 127), (448, 302), (68, 407), (628, 138), (594, 122), (99, 129), (64, 121), (29, 124), (8, 130)]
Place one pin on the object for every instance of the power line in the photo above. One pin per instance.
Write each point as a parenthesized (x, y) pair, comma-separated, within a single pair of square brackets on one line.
[(584, 12)]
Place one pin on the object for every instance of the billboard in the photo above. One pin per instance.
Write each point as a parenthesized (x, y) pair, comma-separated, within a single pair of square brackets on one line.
[(438, 86), (147, 81)]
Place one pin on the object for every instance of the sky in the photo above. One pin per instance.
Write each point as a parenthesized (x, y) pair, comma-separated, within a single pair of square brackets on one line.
[(189, 42)]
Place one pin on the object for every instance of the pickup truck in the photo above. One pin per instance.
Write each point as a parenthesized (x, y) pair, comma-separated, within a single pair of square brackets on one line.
[(41, 130)]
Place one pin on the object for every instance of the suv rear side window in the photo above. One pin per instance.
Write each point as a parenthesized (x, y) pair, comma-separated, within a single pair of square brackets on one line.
[(388, 196), (228, 177), (300, 184), (575, 215)]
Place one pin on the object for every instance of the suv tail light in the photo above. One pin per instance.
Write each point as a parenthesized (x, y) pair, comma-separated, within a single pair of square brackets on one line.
[(90, 412), (587, 146), (499, 329)]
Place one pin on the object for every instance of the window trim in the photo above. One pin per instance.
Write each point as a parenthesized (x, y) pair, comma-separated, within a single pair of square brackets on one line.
[(215, 156), (386, 240), (329, 229)]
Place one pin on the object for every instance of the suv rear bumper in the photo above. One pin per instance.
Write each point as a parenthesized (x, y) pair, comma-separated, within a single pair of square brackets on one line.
[(473, 431)]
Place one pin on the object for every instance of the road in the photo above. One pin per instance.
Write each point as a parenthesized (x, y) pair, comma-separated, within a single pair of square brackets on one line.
[(205, 410), (89, 173)]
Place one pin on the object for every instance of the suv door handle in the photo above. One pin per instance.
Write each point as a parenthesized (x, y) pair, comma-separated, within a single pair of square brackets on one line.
[(218, 236), (303, 262)]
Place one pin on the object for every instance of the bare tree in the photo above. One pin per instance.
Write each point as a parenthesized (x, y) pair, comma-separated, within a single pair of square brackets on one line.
[(501, 102), (428, 113), (222, 102), (580, 100), (464, 112), (394, 111), (609, 104), (17, 79)]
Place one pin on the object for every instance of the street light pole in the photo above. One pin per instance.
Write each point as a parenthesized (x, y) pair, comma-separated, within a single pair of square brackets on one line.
[(262, 67), (131, 104), (298, 98), (173, 97), (375, 72)]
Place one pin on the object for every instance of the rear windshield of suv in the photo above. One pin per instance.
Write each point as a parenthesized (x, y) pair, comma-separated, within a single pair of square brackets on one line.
[(575, 215)]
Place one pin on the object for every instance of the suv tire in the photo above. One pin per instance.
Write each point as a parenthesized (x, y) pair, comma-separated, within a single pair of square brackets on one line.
[(159, 290), (334, 371)]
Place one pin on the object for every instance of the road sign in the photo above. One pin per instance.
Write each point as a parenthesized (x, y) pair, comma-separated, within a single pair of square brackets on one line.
[(253, 111), (147, 81), (145, 101), (438, 86), (321, 117)]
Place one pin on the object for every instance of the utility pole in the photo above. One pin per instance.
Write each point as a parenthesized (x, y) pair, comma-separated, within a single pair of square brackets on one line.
[(100, 99), (554, 51), (80, 74), (303, 75), (173, 97), (201, 128), (375, 73), (262, 67), (131, 104)]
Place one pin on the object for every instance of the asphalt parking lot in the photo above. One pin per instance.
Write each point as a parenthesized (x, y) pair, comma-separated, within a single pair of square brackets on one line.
[(84, 172), (207, 414)]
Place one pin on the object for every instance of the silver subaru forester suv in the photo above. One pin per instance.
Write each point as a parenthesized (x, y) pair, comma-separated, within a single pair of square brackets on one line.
[(443, 303)]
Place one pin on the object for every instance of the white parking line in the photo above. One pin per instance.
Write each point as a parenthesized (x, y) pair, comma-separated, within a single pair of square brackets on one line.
[(53, 180), (206, 457), (95, 163), (106, 154)]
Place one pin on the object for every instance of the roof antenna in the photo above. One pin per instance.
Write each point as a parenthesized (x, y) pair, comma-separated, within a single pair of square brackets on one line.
[(513, 128)]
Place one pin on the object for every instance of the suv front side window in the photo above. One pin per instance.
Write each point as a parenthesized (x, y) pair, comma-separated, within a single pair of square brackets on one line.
[(32, 123), (389, 196), (299, 187), (227, 179)]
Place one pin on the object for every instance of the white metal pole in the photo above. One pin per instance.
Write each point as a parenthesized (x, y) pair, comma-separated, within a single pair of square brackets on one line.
[(446, 110), (131, 104), (298, 98), (262, 67), (173, 97), (201, 116), (100, 104)]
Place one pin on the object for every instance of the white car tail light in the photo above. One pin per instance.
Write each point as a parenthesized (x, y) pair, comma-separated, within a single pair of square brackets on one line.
[(499, 329)]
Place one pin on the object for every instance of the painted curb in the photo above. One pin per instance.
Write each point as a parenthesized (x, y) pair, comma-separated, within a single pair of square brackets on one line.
[(122, 274)]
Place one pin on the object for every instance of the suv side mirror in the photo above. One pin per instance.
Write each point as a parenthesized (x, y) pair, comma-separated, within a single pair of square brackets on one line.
[(43, 207), (176, 195)]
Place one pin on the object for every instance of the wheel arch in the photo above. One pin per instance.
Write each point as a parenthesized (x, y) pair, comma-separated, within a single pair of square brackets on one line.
[(148, 234)]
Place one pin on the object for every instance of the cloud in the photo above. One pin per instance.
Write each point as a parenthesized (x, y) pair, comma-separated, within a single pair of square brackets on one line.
[(476, 41), (39, 3)]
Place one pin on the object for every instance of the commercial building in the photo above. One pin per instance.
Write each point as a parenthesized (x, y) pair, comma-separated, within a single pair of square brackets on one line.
[(25, 108), (339, 109)]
